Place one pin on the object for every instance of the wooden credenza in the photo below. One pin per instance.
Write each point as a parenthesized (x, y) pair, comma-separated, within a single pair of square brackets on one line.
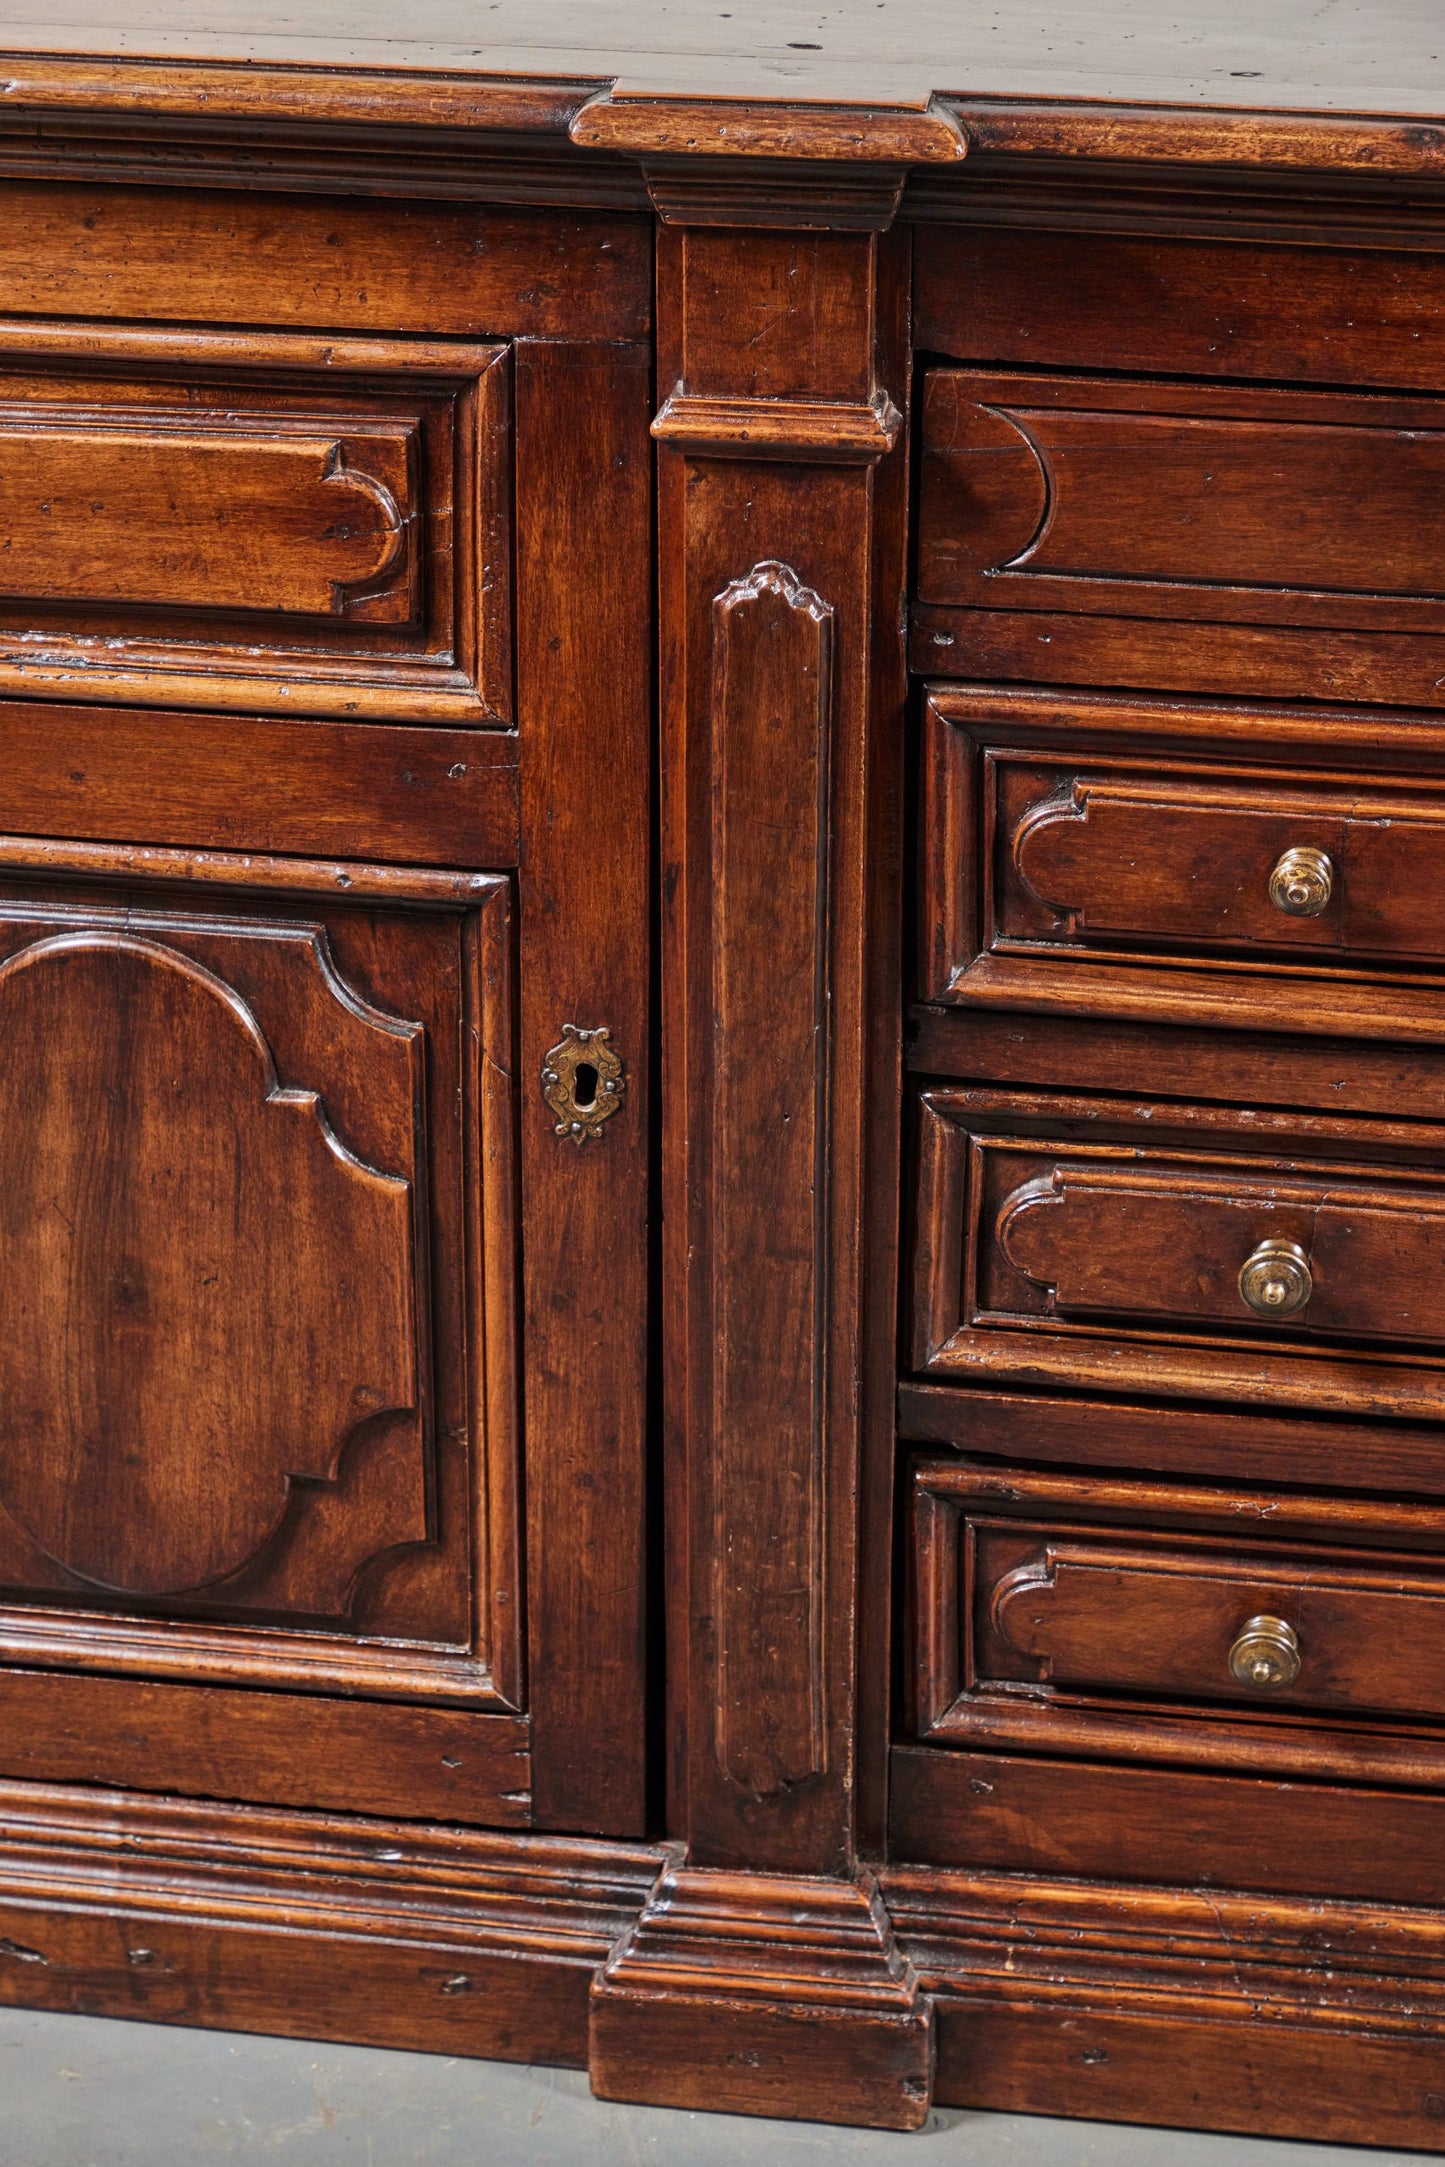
[(722, 1050)]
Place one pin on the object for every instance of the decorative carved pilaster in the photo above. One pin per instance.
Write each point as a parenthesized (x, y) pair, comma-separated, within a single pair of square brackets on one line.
[(781, 498), (767, 1169), (754, 1981)]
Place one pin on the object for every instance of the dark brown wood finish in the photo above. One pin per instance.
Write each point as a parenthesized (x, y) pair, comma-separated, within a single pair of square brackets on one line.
[(235, 259), (1067, 863), (203, 519), (1127, 1821), (351, 1258), (781, 693), (325, 1439), (1200, 909), (307, 1373), (1103, 1243), (584, 691), (398, 1932), (1402, 1460), (776, 1140), (1104, 1615), (1168, 290), (1178, 2005), (1266, 513), (764, 1992), (1261, 507)]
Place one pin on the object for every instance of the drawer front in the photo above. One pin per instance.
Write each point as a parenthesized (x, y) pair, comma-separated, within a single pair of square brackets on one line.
[(1201, 861), (1142, 497), (1081, 1611), (1051, 873), (1263, 513), (1050, 1604), (1142, 1239), (282, 523), (1164, 1249)]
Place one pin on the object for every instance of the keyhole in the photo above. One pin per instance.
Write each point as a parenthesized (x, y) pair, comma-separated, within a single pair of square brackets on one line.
[(584, 1084)]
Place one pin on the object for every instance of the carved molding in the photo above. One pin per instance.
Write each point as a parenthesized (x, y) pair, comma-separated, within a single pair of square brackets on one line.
[(1026, 1582), (770, 724), (1331, 1964), (1068, 807), (819, 430)]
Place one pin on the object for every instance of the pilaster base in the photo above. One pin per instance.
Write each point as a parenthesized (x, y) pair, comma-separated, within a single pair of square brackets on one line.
[(764, 1994)]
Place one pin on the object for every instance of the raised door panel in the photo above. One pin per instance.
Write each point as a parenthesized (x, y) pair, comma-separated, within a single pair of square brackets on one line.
[(259, 520), (173, 1368), (257, 1425)]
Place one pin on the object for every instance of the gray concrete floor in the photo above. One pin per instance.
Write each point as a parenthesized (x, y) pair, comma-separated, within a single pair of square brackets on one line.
[(87, 2092)]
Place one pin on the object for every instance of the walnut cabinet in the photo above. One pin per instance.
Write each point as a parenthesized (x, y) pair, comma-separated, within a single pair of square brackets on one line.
[(722, 1050)]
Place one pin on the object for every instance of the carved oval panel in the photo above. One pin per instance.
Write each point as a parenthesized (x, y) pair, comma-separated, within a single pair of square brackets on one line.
[(203, 1292)]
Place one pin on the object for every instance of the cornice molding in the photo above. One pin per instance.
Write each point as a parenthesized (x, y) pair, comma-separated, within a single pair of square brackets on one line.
[(927, 135), (316, 94), (430, 164), (1324, 142), (691, 128)]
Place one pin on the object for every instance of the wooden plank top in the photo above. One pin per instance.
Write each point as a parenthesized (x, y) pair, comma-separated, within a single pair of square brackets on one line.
[(1194, 71)]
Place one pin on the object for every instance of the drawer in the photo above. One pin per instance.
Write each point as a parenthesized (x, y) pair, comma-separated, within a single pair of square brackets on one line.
[(262, 520), (1081, 876), (1059, 1610), (1201, 1251), (1288, 535)]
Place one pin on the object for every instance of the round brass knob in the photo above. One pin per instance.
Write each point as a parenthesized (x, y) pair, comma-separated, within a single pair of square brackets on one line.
[(1302, 883), (1265, 1657), (1275, 1279)]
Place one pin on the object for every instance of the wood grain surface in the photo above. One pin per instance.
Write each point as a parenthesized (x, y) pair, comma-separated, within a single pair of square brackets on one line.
[(392, 1467)]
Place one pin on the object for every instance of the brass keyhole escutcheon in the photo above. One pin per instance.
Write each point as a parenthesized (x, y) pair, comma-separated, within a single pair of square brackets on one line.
[(583, 1081), (1275, 1279), (1302, 882), (1266, 1656)]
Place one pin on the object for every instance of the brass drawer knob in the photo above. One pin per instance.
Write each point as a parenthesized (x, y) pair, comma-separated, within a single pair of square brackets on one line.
[(1265, 1657), (1275, 1279), (1302, 883)]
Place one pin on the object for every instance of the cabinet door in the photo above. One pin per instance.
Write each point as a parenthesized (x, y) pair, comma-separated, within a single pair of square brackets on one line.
[(258, 1436), (324, 1209)]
